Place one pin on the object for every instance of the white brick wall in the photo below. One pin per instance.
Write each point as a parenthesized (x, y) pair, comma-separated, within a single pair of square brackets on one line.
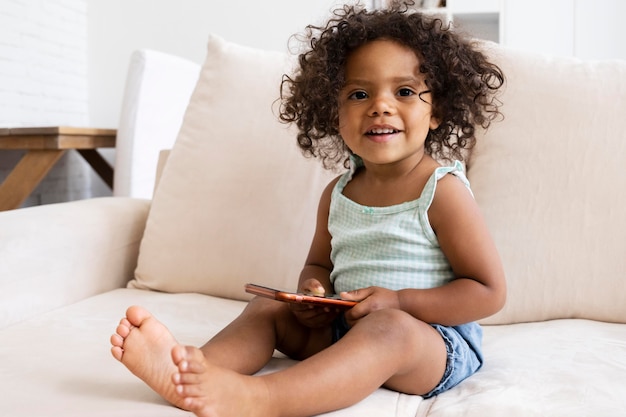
[(43, 82)]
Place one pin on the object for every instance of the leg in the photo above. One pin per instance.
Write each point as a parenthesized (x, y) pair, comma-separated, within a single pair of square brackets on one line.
[(99, 164), (26, 175), (247, 344), (388, 347), (144, 345)]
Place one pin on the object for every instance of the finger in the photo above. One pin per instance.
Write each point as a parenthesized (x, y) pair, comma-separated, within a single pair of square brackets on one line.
[(357, 312), (313, 286), (312, 314), (357, 295), (300, 307)]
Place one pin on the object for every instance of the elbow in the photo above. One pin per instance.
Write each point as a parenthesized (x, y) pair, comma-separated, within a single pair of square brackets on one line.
[(499, 294)]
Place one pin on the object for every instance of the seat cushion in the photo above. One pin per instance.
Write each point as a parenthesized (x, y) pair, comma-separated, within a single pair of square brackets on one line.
[(81, 378), (559, 368), (568, 368)]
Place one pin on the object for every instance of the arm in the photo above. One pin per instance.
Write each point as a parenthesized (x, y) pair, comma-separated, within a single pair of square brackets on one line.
[(58, 254), (315, 275), (479, 289), (318, 265)]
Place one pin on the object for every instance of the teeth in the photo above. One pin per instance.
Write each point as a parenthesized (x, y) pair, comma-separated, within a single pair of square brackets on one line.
[(382, 131)]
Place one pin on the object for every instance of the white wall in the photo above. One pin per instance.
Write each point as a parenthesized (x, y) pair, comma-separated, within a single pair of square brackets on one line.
[(590, 29), (600, 29), (539, 26), (117, 27), (43, 82), (43, 62), (65, 61), (586, 29)]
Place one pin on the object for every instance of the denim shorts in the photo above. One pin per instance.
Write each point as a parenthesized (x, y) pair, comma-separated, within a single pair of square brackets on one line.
[(465, 357), (463, 345)]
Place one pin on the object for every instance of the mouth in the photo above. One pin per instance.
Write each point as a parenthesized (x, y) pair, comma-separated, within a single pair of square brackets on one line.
[(382, 134), (381, 131)]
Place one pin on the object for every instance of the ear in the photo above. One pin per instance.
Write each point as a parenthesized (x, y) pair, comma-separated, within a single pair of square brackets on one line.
[(434, 123)]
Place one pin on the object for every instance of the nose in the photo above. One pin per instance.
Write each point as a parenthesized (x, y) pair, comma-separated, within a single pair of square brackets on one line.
[(381, 105)]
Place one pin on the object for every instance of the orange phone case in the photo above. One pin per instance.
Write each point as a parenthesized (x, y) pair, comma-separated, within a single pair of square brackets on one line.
[(292, 297)]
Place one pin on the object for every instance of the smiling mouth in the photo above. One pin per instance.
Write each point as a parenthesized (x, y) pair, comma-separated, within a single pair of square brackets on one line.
[(381, 131)]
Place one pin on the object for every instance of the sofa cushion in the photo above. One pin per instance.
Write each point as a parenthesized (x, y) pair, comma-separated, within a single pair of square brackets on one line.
[(572, 368), (84, 380), (550, 181), (237, 201), (557, 368)]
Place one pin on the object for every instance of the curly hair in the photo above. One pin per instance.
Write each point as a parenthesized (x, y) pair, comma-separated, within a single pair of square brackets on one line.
[(461, 80)]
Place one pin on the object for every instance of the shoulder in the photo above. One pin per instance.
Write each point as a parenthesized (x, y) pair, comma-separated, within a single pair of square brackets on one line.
[(452, 199), (331, 186), (452, 188), (327, 194)]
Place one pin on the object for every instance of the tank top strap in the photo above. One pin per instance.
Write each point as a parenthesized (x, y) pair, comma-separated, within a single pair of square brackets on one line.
[(428, 193)]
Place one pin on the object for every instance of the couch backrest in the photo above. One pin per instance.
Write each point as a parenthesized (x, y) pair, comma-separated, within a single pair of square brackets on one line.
[(550, 181), (157, 91), (237, 200)]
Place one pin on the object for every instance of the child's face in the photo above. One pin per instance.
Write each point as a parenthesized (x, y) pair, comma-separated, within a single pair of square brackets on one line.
[(382, 117)]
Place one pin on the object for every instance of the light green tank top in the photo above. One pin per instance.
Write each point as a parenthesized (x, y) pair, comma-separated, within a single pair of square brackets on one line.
[(392, 247)]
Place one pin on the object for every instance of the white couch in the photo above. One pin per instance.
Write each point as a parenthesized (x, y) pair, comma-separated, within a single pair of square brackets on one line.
[(158, 88), (236, 202)]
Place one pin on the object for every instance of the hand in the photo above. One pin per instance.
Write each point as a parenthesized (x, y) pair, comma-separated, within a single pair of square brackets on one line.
[(370, 299), (313, 316), (312, 286), (309, 315)]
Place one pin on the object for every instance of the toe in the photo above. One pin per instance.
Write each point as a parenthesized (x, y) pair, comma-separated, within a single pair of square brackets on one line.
[(117, 340), (193, 354), (125, 322), (195, 367), (117, 352), (137, 315), (179, 354), (189, 390), (193, 360), (122, 331), (187, 378), (188, 359)]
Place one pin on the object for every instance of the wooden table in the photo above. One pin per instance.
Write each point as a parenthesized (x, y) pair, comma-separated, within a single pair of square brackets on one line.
[(45, 146)]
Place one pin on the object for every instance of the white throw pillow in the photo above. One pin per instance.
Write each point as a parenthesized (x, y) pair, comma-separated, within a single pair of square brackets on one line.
[(550, 181), (237, 201)]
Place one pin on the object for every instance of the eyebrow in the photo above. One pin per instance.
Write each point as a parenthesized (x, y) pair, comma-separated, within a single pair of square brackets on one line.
[(395, 80)]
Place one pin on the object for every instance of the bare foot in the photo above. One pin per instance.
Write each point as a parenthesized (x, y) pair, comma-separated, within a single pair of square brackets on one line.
[(144, 345), (210, 391)]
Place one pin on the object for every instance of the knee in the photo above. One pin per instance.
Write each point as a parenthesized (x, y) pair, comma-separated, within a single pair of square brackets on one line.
[(263, 307), (391, 324)]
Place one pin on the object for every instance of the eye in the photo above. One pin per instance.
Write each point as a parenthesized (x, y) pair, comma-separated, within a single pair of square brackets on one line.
[(405, 92), (358, 95)]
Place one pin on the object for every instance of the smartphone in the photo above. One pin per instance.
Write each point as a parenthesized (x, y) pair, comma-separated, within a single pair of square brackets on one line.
[(293, 297)]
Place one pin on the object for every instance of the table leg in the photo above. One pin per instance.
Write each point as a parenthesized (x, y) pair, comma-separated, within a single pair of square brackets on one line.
[(26, 175), (99, 164)]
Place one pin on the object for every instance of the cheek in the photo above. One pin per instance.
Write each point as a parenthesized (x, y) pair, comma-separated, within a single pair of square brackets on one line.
[(343, 119)]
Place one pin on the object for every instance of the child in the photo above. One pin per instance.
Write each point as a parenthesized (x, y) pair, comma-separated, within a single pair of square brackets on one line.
[(385, 92)]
